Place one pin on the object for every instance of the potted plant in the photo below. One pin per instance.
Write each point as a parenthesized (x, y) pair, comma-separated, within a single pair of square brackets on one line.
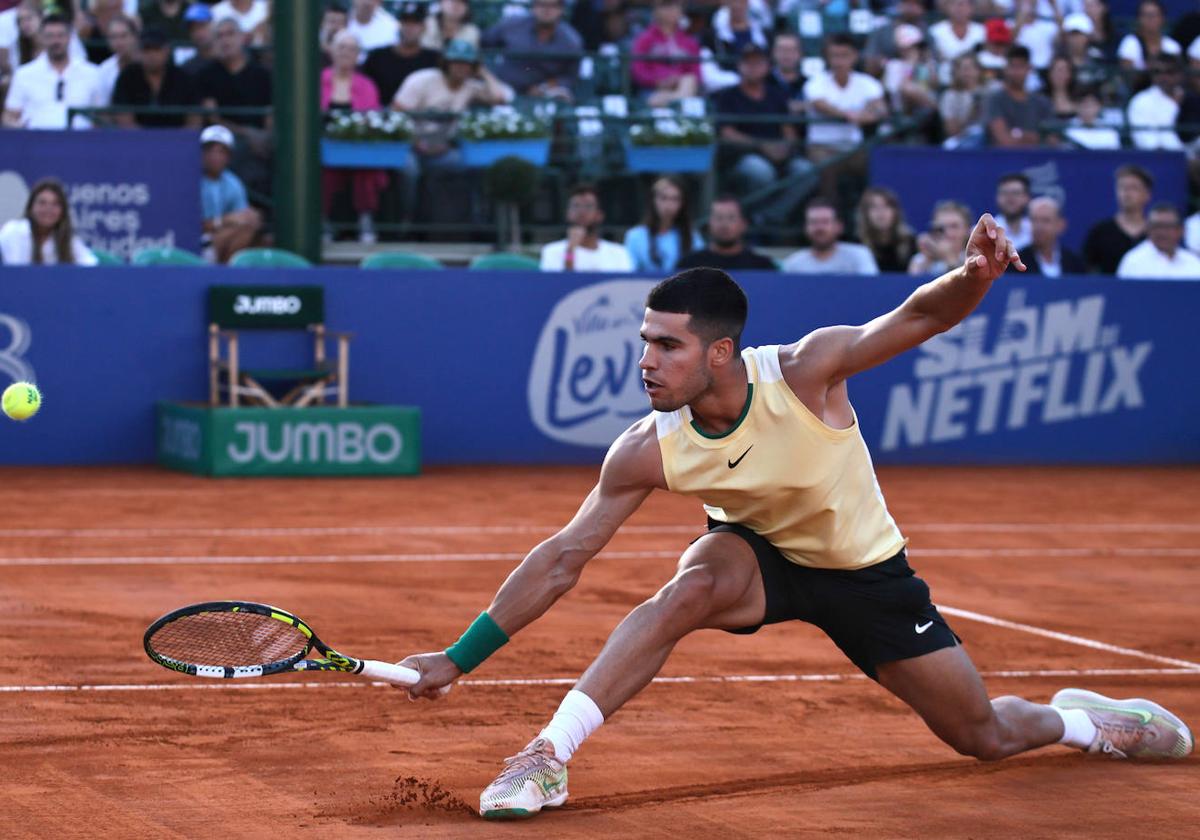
[(670, 144), (367, 139), (487, 136)]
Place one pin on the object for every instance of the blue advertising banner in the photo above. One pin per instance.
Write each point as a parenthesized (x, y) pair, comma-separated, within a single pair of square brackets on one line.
[(119, 204), (1082, 183), (543, 368)]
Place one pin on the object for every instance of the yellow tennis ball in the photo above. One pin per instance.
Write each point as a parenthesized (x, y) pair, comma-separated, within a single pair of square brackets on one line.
[(21, 400)]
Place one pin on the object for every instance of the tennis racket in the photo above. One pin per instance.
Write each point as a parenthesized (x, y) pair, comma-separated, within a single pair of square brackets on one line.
[(233, 639)]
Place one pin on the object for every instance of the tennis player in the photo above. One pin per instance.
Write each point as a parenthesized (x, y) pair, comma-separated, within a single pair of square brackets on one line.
[(798, 530)]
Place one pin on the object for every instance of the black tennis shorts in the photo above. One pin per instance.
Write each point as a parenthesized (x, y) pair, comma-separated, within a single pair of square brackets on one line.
[(881, 613)]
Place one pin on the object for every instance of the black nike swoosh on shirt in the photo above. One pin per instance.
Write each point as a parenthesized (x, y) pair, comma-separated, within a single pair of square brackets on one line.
[(733, 464)]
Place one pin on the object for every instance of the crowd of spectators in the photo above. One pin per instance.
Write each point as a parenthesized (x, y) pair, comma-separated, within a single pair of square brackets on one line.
[(791, 106)]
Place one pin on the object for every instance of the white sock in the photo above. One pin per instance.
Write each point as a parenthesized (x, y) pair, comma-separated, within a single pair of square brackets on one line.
[(577, 717), (1078, 729)]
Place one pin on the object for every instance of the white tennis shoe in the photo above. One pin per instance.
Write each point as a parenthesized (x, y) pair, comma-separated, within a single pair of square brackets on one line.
[(531, 780), (1134, 728)]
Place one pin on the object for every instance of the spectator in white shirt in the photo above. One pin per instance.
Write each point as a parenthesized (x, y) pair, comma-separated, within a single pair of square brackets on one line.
[(583, 249), (1152, 112), (252, 16), (1087, 130), (44, 236), (1191, 233), (845, 101), (1161, 257), (373, 26), (955, 35), (825, 254), (1038, 34), (43, 90), (1147, 42), (122, 34), (1012, 208)]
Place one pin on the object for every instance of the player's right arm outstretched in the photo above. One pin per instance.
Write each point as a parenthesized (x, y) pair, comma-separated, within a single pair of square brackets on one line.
[(632, 468)]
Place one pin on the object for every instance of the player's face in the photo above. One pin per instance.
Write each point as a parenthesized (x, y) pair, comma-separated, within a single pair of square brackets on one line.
[(674, 362)]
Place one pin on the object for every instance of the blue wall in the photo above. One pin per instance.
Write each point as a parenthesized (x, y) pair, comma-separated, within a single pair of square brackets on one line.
[(542, 368), (1081, 182)]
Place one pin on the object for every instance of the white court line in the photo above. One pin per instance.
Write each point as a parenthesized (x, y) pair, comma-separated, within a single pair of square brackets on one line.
[(1066, 637), (400, 530), (450, 557), (283, 559), (553, 681), (476, 557)]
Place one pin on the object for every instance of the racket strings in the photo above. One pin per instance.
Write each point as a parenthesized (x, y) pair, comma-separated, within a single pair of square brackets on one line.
[(229, 639)]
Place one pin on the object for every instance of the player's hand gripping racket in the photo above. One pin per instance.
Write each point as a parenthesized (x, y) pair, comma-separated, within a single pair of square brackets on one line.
[(232, 639)]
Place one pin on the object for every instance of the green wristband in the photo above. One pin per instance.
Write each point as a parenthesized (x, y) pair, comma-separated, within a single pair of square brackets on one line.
[(483, 638)]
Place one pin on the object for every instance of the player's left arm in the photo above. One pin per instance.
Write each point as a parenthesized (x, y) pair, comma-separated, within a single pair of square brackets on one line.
[(836, 353)]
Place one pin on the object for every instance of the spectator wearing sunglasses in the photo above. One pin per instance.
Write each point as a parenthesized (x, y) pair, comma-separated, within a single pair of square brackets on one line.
[(43, 90)]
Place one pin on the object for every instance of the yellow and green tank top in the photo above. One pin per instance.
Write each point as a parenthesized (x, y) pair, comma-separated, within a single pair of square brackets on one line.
[(780, 471)]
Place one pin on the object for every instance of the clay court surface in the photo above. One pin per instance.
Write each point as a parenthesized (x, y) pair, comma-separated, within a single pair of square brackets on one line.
[(1054, 577)]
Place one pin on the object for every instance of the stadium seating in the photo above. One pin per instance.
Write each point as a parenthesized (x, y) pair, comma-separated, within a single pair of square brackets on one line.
[(400, 260), (504, 262), (166, 256), (268, 258), (105, 258)]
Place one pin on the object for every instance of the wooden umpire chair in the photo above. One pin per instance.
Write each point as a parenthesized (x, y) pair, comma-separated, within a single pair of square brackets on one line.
[(273, 308)]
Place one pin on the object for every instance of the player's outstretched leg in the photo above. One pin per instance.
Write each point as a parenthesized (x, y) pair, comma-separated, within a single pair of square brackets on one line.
[(718, 584), (944, 688), (1133, 728)]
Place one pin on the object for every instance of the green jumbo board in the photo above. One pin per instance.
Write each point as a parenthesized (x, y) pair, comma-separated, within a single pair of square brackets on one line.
[(359, 440)]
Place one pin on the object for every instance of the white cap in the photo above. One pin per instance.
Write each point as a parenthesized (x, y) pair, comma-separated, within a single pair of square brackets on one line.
[(217, 134), (1078, 22), (907, 35)]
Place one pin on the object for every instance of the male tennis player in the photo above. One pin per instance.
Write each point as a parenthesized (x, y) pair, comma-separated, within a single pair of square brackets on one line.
[(798, 529)]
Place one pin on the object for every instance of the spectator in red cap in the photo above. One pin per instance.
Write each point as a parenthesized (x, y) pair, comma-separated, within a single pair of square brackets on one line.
[(993, 54)]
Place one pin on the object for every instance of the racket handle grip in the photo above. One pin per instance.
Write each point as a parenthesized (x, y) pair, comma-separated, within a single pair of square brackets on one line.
[(387, 672)]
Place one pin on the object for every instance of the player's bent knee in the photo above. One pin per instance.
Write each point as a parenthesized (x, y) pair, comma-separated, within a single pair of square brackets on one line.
[(687, 600)]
